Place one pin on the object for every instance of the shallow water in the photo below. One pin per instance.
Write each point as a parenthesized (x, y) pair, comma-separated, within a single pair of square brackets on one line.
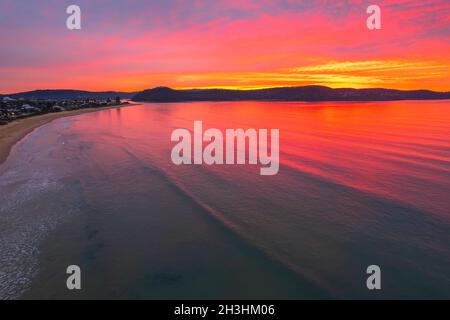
[(359, 184)]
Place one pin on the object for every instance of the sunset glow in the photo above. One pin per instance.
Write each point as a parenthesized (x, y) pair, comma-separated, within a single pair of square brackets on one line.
[(136, 45)]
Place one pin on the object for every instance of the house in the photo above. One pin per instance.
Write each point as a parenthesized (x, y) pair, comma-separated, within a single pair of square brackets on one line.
[(30, 109), (8, 99), (13, 113)]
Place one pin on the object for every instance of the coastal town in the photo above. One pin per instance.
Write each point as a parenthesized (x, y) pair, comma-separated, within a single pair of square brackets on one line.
[(12, 109)]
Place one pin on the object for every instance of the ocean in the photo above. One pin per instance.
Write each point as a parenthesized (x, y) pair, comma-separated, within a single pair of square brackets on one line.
[(359, 184)]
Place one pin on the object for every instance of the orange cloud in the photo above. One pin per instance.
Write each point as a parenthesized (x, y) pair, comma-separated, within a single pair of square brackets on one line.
[(234, 44)]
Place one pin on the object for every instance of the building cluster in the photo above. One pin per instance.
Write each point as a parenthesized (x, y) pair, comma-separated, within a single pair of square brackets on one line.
[(11, 109)]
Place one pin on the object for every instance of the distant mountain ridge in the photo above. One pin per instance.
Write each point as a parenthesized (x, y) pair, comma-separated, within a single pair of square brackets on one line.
[(306, 93), (58, 94)]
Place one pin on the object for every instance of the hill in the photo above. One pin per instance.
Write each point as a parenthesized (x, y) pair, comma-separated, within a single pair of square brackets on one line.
[(68, 94), (306, 93)]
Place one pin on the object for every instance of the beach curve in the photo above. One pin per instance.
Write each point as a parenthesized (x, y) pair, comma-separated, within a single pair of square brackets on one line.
[(16, 130)]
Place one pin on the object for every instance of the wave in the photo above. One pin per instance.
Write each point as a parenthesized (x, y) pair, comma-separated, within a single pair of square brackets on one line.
[(233, 229)]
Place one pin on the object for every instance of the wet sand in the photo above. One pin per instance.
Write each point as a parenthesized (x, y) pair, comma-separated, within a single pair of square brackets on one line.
[(14, 131)]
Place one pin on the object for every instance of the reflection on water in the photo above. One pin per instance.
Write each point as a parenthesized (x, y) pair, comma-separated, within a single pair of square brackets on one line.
[(359, 184)]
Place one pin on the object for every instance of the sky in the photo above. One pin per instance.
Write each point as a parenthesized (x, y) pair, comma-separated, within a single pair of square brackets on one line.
[(139, 44)]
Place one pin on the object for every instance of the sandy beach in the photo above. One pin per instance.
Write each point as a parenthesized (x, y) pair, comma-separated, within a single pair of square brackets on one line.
[(14, 131)]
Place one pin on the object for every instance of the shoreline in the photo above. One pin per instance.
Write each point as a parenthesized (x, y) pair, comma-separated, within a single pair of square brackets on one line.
[(13, 132)]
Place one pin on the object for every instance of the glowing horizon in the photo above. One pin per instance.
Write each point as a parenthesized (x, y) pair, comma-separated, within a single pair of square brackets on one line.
[(132, 46)]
